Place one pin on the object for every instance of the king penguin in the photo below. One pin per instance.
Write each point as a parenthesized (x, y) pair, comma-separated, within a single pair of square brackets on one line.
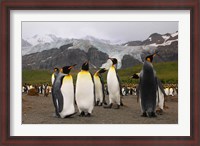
[(99, 87), (63, 93), (85, 96), (53, 76), (160, 94), (55, 73), (114, 86), (148, 88)]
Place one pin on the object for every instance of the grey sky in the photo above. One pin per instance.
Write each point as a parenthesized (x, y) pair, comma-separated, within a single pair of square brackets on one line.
[(113, 31)]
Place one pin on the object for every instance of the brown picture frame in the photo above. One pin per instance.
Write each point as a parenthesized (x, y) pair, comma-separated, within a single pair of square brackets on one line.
[(192, 5)]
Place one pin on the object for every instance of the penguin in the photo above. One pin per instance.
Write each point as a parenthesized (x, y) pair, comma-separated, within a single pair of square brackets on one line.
[(99, 87), (85, 93), (63, 93), (147, 88), (114, 86), (53, 76), (160, 99)]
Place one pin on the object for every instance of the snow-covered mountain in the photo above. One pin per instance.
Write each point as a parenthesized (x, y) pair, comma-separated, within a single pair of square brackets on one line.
[(129, 52), (40, 43)]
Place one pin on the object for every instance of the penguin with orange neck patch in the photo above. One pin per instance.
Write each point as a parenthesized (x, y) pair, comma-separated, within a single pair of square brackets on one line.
[(63, 93), (85, 93), (114, 86), (99, 87), (148, 88)]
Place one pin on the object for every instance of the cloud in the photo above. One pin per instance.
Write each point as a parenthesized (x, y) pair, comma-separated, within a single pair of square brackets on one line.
[(113, 31)]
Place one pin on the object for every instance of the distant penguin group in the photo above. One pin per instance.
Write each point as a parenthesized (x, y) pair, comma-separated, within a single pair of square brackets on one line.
[(89, 90)]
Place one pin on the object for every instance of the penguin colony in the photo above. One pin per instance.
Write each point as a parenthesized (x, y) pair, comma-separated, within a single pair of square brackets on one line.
[(89, 90)]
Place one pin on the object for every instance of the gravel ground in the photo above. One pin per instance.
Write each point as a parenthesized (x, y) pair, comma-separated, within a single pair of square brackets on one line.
[(40, 110)]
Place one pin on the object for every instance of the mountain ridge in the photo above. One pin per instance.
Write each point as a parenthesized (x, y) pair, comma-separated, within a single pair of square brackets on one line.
[(128, 54)]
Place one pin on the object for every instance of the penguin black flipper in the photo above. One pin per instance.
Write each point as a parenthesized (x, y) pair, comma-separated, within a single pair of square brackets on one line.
[(94, 88)]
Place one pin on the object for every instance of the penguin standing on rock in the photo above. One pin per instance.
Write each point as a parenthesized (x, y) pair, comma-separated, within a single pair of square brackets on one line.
[(114, 86), (63, 93), (99, 87), (85, 95), (148, 88)]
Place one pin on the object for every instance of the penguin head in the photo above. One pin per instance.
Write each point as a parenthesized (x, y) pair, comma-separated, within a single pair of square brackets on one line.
[(150, 57), (66, 69), (56, 70), (114, 60), (135, 76), (85, 66)]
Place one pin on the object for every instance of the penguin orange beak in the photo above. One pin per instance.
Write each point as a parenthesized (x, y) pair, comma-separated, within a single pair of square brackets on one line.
[(72, 66)]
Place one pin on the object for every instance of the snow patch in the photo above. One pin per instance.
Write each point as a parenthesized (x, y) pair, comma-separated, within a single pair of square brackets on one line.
[(174, 34), (165, 37)]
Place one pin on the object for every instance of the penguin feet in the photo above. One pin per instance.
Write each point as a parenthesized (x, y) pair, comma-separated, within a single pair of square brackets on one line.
[(88, 115), (108, 106), (117, 107), (144, 114), (69, 116), (82, 114), (56, 116), (104, 103), (121, 103), (159, 111), (166, 107), (97, 103), (151, 114)]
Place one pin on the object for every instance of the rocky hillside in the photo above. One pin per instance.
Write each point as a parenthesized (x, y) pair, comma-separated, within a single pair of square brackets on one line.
[(50, 51)]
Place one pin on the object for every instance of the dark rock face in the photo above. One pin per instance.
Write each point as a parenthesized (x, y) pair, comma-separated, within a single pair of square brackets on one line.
[(168, 53), (129, 61), (49, 59), (96, 57), (155, 38)]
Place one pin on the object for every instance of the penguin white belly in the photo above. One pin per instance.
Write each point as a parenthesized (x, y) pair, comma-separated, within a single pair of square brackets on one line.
[(113, 86), (67, 90), (160, 101), (171, 92), (85, 92), (98, 89), (167, 91), (52, 78)]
